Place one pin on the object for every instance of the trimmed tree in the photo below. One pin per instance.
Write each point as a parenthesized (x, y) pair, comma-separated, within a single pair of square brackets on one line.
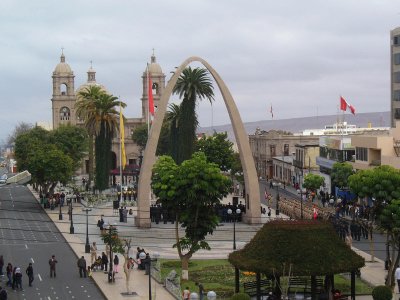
[(191, 190), (340, 174)]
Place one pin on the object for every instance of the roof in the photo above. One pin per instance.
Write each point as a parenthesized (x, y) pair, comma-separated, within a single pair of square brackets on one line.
[(63, 67), (154, 67), (311, 247)]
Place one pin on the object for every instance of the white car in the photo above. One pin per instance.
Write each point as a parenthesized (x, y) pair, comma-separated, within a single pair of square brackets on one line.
[(3, 178)]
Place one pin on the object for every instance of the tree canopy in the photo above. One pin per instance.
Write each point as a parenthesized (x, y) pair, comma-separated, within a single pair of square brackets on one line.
[(313, 182), (340, 174), (218, 149), (191, 190)]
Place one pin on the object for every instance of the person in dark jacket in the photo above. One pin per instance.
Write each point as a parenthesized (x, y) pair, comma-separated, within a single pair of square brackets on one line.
[(29, 272), (82, 266), (104, 262)]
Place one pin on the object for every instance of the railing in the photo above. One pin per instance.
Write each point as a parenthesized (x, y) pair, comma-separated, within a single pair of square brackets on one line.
[(173, 285)]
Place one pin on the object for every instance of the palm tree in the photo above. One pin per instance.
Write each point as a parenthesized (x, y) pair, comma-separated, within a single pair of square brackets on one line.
[(101, 119), (83, 106), (194, 84), (172, 118)]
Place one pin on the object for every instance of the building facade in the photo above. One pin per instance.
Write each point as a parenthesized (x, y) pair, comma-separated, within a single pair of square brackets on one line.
[(265, 145), (64, 98), (395, 75)]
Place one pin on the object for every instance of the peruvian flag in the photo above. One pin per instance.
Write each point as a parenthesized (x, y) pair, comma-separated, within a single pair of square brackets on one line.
[(150, 96), (344, 105)]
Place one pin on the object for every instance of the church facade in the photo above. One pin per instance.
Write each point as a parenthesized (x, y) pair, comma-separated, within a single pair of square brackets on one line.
[(64, 98)]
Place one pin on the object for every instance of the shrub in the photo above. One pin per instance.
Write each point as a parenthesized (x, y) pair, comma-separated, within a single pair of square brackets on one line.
[(240, 296), (382, 292)]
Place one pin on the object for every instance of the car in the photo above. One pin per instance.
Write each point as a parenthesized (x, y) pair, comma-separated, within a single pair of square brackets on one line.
[(3, 178)]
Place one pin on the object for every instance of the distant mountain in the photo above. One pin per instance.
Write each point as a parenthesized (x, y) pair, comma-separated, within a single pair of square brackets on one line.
[(296, 125)]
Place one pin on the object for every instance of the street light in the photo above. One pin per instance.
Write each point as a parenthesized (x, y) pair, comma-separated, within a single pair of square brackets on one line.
[(147, 260), (60, 216), (71, 227), (235, 214), (87, 245)]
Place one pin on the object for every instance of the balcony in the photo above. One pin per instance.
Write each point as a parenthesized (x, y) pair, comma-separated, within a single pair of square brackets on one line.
[(297, 163), (375, 162)]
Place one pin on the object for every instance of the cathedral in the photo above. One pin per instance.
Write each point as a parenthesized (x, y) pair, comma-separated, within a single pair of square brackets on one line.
[(65, 96)]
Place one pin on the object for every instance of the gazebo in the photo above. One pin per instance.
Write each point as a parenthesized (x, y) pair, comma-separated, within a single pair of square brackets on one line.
[(309, 248)]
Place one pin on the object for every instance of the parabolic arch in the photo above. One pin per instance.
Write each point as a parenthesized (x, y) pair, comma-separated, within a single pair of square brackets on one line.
[(252, 190)]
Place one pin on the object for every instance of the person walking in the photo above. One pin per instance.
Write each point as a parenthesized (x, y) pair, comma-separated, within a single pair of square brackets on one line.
[(9, 270), (18, 278), (116, 263), (186, 293), (104, 262), (397, 276), (29, 272), (52, 263), (93, 253), (201, 290), (82, 267)]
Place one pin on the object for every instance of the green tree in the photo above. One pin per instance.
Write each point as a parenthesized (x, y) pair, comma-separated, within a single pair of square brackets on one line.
[(236, 169), (99, 112), (140, 135), (313, 182), (172, 120), (340, 174), (218, 149), (73, 141), (190, 190), (194, 84), (390, 222), (21, 127)]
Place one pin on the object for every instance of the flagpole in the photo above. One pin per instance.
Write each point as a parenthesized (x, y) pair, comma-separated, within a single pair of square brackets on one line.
[(148, 101), (120, 151)]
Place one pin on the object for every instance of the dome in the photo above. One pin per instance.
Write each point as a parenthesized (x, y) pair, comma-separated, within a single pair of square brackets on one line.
[(154, 67), (63, 67)]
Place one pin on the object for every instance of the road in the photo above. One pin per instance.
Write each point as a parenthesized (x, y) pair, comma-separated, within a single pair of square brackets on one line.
[(27, 235)]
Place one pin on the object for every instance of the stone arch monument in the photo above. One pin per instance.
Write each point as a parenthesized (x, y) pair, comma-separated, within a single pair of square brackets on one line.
[(252, 196)]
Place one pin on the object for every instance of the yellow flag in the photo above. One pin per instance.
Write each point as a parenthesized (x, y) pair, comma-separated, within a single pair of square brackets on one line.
[(122, 138)]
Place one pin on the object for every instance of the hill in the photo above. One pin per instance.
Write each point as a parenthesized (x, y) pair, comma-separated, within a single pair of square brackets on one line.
[(296, 125)]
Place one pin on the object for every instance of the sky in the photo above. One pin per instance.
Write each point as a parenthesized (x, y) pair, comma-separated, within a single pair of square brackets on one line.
[(296, 56)]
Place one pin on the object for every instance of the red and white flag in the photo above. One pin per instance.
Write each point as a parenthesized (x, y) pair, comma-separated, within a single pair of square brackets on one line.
[(344, 105)]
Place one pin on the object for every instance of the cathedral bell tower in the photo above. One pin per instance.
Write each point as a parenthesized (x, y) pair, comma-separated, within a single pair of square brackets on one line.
[(158, 86), (63, 100)]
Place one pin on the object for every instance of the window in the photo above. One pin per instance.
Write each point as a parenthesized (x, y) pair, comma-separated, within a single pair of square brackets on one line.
[(396, 40), (63, 89), (154, 88), (65, 113), (396, 95), (397, 113), (286, 149), (396, 58), (272, 150), (396, 77), (361, 154)]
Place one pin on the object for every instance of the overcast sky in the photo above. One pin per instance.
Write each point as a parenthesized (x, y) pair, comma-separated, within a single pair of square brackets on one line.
[(298, 56)]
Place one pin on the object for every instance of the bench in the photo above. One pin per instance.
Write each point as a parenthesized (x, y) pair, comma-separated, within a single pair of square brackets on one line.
[(304, 284), (250, 288)]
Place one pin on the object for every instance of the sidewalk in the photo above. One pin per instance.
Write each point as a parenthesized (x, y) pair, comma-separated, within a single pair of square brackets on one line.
[(139, 282), (158, 240)]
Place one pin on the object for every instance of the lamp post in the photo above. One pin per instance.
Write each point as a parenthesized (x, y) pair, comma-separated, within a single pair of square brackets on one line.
[(145, 257), (60, 213), (71, 227), (235, 214), (110, 270), (87, 245)]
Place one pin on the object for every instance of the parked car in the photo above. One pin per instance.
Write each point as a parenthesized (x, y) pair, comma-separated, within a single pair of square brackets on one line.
[(3, 178)]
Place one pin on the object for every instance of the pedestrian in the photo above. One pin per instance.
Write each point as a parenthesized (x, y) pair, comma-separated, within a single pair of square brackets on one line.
[(1, 265), (186, 293), (18, 278), (52, 263), (3, 294), (14, 280), (201, 290), (9, 270), (104, 261), (89, 272), (82, 266), (397, 276), (116, 263), (93, 252), (29, 272)]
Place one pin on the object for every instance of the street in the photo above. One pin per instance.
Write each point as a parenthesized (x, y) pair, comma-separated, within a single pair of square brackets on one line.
[(27, 235)]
